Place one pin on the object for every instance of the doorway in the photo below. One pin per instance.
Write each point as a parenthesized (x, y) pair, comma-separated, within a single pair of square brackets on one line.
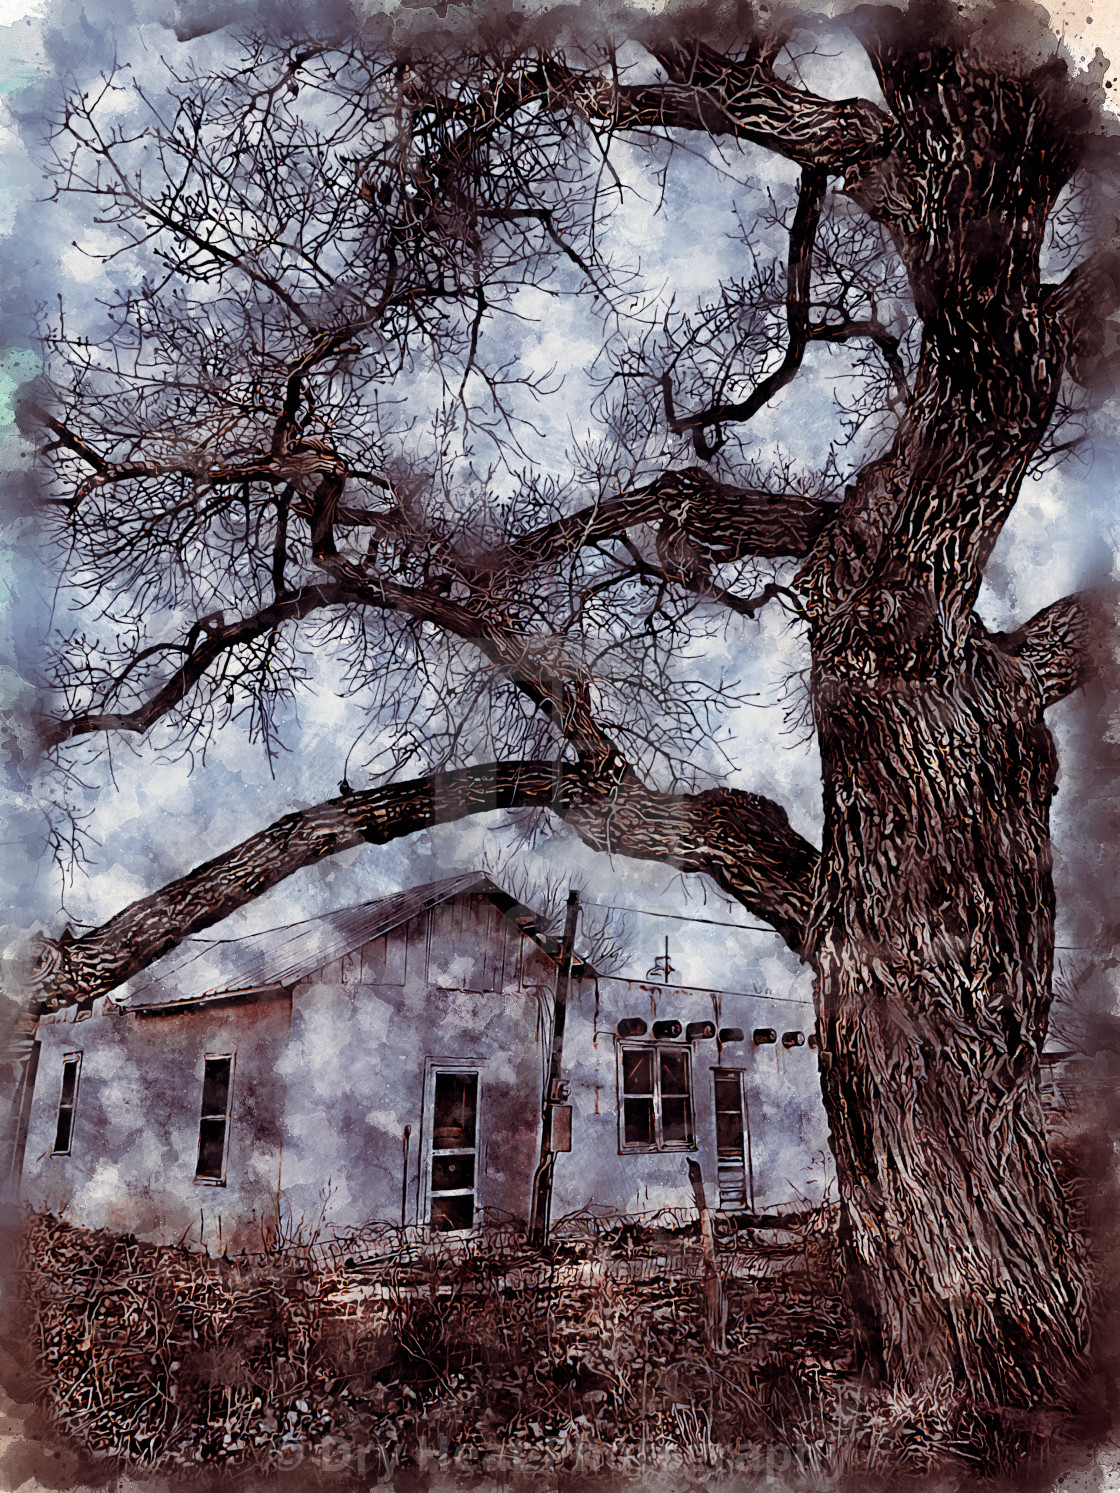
[(733, 1139), (451, 1159)]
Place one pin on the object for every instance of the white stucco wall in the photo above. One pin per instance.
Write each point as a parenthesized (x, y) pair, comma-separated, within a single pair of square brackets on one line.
[(327, 1077), (788, 1132), (134, 1148)]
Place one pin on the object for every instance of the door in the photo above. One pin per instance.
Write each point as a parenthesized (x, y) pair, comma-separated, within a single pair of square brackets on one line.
[(453, 1159), (733, 1139)]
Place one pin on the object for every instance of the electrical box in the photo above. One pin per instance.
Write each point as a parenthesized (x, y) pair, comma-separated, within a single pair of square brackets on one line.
[(560, 1138)]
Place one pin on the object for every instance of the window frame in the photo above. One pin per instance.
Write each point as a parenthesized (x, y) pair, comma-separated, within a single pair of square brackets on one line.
[(214, 1057), (71, 1108), (432, 1068), (660, 1145)]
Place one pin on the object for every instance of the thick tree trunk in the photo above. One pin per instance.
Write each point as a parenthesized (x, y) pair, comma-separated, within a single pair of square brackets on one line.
[(932, 932), (932, 943)]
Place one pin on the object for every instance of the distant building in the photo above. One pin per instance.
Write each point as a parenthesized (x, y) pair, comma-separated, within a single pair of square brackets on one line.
[(387, 1062)]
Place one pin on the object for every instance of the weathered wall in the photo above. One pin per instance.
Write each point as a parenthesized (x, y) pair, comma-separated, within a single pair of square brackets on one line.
[(135, 1138), (789, 1136), (327, 1078), (458, 983)]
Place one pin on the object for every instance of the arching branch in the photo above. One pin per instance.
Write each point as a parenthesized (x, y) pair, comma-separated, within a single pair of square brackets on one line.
[(743, 841)]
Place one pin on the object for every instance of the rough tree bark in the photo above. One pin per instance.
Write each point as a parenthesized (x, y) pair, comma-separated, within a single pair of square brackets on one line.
[(932, 928)]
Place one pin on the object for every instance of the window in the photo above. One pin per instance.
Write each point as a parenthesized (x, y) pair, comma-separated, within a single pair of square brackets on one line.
[(454, 1153), (213, 1125), (67, 1103), (655, 1094)]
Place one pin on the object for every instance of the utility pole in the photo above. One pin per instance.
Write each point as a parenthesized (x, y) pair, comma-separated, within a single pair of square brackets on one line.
[(556, 1116)]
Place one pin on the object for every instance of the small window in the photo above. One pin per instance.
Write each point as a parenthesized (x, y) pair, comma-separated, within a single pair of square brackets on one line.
[(213, 1125), (67, 1103), (655, 1098)]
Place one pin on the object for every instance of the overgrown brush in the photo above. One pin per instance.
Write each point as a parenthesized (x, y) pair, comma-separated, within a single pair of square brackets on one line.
[(587, 1357)]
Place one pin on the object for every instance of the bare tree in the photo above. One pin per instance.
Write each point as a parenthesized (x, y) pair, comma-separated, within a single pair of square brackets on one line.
[(304, 427)]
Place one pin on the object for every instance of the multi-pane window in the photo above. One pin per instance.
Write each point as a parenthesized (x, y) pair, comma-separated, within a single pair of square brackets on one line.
[(454, 1151), (655, 1097), (213, 1125), (67, 1103)]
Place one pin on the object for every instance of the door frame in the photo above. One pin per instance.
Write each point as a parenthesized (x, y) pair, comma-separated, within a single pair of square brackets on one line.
[(721, 1070), (432, 1066)]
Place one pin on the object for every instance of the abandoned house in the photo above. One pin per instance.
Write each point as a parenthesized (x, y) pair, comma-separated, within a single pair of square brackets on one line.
[(391, 1062)]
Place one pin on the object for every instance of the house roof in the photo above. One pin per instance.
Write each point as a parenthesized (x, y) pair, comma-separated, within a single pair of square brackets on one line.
[(280, 957)]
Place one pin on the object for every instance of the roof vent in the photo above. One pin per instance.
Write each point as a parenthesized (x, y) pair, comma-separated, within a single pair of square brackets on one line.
[(666, 1030), (695, 1030)]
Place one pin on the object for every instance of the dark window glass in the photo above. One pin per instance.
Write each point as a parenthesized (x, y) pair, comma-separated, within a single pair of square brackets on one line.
[(637, 1121), (637, 1071), (62, 1134), (453, 1212), (675, 1125), (656, 1097), (215, 1086), (456, 1104), (214, 1119), (674, 1073), (454, 1130), (69, 1081), (451, 1172), (67, 1099), (729, 1116), (211, 1148)]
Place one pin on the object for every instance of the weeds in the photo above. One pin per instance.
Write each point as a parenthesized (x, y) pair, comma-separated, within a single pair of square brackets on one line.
[(476, 1355)]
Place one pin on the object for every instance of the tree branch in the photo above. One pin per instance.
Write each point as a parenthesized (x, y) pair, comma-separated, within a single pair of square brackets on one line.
[(798, 279), (293, 462), (743, 841), (201, 649), (1082, 304), (726, 522), (701, 522), (875, 332), (1056, 645), (738, 96)]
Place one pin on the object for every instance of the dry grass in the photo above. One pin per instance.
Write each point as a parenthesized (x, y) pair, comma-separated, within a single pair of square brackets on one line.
[(486, 1358)]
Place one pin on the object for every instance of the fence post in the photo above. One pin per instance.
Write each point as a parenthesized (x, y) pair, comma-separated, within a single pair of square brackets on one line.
[(715, 1301)]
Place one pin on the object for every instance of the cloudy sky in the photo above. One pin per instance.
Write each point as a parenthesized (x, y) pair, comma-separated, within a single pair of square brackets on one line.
[(150, 818)]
